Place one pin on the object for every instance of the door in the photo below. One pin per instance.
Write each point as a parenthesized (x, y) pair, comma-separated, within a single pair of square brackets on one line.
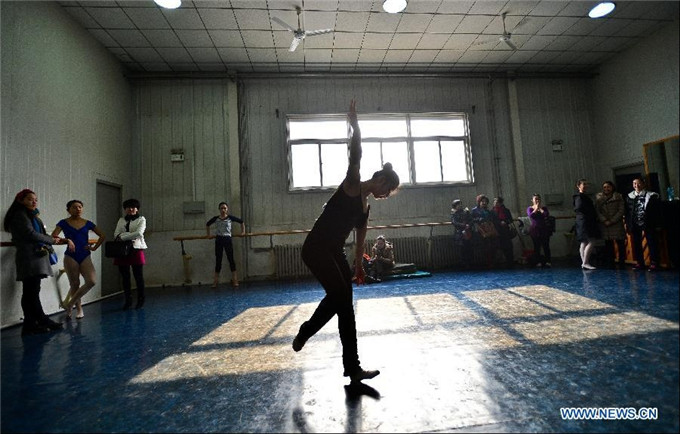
[(623, 178), (109, 209)]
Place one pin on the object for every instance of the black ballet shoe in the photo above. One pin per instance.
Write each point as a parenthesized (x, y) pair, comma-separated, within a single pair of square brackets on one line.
[(361, 374), (140, 302), (298, 344)]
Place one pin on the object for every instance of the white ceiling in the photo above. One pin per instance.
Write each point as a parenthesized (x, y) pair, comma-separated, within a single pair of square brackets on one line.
[(430, 36)]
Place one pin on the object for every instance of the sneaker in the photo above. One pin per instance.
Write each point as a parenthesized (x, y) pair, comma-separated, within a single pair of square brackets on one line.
[(362, 375)]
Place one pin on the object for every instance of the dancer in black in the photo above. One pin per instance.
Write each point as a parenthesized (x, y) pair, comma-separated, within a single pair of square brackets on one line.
[(323, 252)]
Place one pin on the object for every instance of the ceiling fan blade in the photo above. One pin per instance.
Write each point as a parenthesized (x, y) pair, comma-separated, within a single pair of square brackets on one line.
[(283, 24), (521, 23), (510, 44), (490, 41), (317, 32), (294, 44)]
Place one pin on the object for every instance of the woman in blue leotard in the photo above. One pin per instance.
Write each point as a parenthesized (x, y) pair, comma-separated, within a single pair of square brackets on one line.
[(77, 259)]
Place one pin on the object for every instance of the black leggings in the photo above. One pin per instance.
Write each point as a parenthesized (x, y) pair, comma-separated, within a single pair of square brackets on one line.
[(138, 272), (224, 243), (331, 269), (541, 242), (30, 301)]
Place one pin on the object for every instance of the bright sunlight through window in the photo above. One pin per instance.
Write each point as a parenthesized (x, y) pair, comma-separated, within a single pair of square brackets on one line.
[(424, 149)]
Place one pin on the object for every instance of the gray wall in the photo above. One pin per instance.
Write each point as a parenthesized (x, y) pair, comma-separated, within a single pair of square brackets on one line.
[(635, 100), (65, 124), (198, 117)]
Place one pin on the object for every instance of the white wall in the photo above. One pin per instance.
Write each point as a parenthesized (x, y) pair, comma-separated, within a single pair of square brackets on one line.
[(635, 100), (65, 124)]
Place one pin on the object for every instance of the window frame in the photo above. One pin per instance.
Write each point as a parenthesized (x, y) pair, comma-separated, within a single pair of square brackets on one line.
[(409, 140)]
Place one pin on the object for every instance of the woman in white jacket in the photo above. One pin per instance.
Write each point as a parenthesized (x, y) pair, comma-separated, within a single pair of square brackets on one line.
[(132, 227)]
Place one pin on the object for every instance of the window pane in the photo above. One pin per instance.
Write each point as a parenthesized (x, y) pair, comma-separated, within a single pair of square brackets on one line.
[(334, 163), (453, 161), (426, 155), (397, 154), (318, 129), (437, 127), (305, 162), (370, 159), (383, 128)]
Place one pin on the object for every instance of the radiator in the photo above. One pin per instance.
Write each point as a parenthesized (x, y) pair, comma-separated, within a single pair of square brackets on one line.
[(289, 261), (426, 253)]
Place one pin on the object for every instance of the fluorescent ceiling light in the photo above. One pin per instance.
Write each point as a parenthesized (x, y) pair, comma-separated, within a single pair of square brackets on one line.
[(601, 9), (168, 4), (394, 6)]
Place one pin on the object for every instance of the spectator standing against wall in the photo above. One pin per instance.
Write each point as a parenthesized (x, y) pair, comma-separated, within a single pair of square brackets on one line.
[(610, 208), (642, 220), (539, 231), (33, 246), (587, 230)]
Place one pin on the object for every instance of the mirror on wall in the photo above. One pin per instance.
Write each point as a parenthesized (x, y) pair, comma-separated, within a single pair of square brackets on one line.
[(661, 164)]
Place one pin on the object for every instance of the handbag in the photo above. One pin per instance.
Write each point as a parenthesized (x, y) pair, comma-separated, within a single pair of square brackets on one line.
[(117, 249), (487, 229), (53, 255)]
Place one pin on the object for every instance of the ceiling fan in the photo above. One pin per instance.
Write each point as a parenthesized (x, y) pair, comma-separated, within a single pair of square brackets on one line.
[(505, 37), (299, 34)]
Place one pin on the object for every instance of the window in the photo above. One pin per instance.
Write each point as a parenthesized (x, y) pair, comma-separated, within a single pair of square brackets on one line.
[(424, 149)]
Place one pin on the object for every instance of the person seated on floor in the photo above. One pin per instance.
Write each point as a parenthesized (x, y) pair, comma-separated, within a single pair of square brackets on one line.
[(382, 258)]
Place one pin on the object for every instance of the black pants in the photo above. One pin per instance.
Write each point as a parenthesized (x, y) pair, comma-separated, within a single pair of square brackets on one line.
[(224, 244), (331, 269), (544, 243), (506, 248), (611, 254), (30, 301), (652, 244), (138, 272)]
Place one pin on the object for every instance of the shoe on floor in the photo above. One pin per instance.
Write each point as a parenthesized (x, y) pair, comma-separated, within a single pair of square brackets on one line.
[(652, 267), (363, 375), (298, 344), (33, 329), (51, 325), (587, 267), (547, 265), (637, 267)]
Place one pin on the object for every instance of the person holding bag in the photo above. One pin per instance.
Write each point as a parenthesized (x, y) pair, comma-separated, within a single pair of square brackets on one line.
[(32, 259), (131, 227)]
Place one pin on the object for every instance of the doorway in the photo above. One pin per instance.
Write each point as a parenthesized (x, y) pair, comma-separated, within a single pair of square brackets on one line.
[(624, 176), (109, 203)]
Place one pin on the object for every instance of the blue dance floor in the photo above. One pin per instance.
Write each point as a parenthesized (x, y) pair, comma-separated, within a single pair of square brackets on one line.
[(524, 350)]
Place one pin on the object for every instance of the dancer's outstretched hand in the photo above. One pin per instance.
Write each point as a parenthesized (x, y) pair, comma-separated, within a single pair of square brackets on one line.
[(353, 120)]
